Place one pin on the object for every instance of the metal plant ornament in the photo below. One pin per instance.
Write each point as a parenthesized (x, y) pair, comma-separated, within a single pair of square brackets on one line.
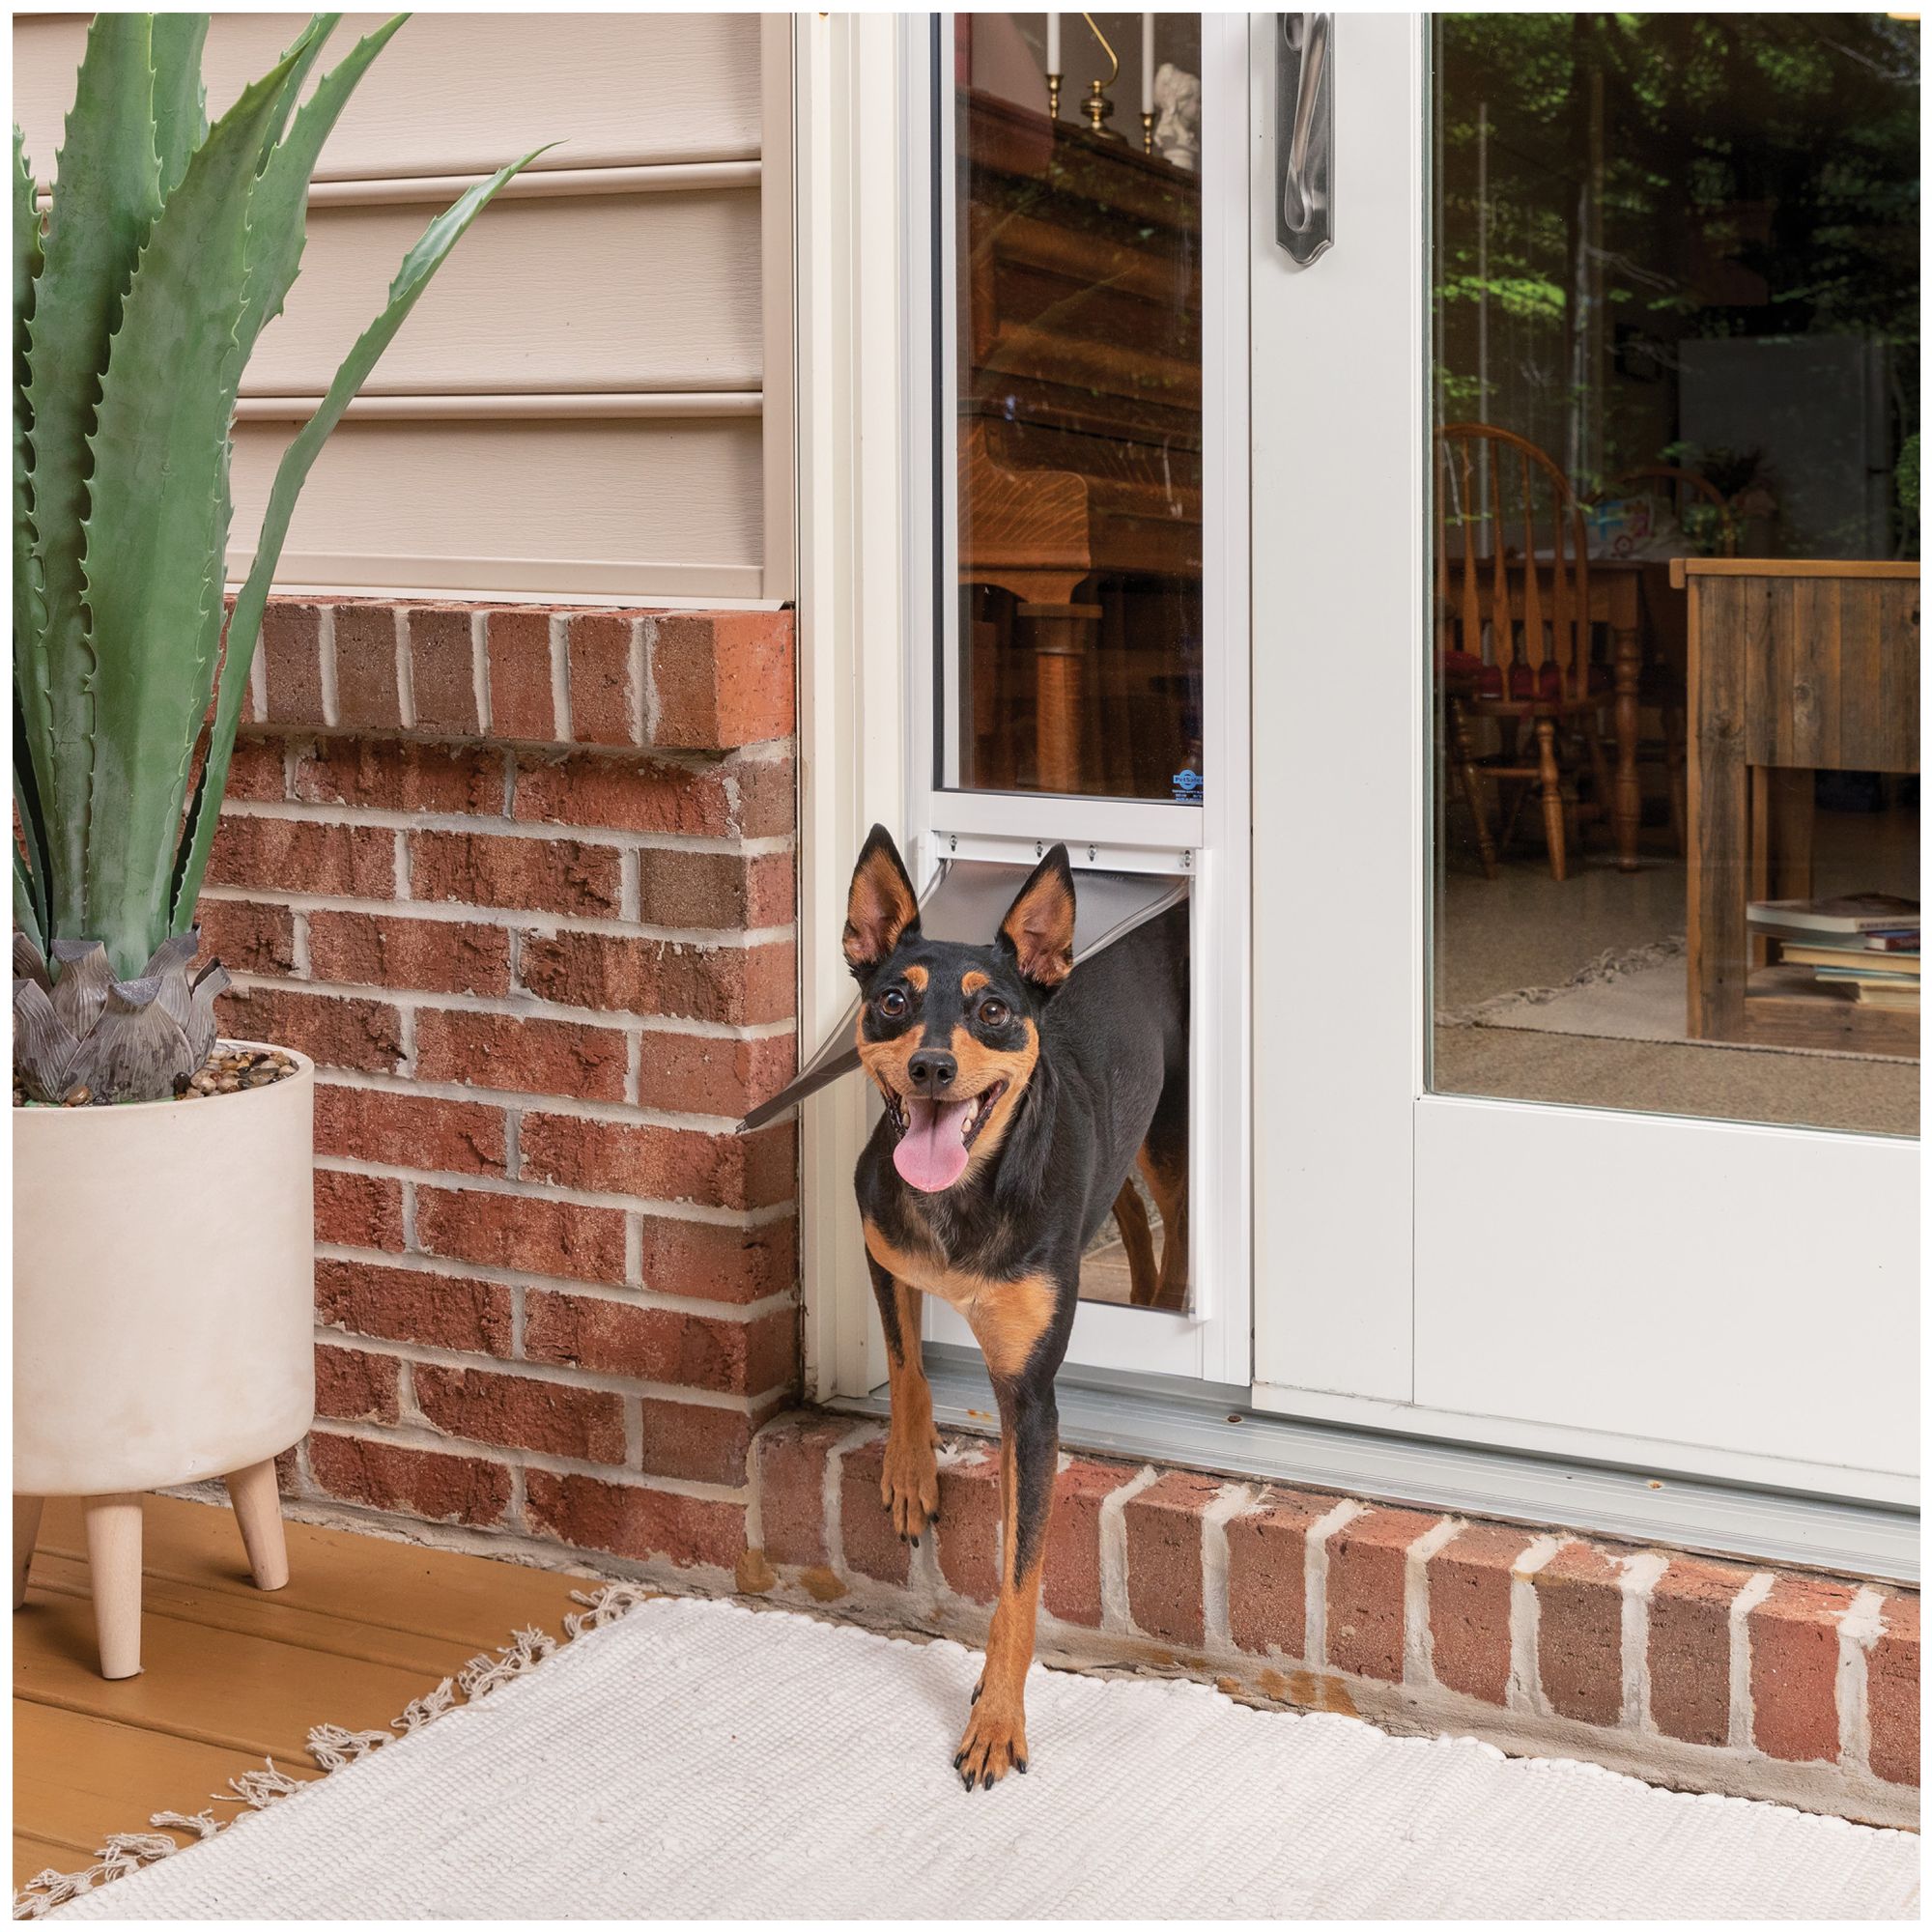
[(169, 246)]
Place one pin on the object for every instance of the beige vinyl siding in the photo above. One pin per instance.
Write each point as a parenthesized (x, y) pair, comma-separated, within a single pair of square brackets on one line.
[(620, 291), (461, 92), (578, 404)]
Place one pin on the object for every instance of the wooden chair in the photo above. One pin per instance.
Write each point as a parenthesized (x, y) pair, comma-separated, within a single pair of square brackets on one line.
[(1513, 632)]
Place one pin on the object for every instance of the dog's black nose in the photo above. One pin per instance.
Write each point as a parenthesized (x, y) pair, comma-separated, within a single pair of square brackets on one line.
[(932, 1071)]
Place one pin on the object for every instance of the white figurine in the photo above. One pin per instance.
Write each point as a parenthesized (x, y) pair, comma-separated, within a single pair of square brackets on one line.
[(1176, 133)]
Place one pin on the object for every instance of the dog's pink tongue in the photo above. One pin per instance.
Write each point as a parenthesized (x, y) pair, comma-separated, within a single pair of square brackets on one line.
[(931, 1154)]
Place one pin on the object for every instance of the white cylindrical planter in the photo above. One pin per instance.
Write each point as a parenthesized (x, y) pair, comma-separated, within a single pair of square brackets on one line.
[(163, 1292)]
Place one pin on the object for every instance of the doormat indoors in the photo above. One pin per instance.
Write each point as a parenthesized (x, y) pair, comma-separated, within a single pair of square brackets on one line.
[(689, 1759), (1638, 994)]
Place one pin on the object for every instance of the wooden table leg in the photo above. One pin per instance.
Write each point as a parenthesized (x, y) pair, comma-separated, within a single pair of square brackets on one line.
[(1062, 636), (1627, 811)]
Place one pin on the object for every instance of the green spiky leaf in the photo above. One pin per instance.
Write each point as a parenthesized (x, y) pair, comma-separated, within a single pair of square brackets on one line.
[(29, 606), (278, 223), (418, 266), (107, 196), (181, 100), (159, 523)]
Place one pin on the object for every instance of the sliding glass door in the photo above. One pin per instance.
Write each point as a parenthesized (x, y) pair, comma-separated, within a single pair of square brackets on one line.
[(1586, 906)]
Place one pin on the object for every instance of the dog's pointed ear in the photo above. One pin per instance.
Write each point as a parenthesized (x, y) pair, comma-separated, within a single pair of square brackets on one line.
[(882, 908), (1038, 926)]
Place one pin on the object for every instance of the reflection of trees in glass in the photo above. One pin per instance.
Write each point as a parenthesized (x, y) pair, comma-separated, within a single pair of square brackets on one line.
[(1612, 186)]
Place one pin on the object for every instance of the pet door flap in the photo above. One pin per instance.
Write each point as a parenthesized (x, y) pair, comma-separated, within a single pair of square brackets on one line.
[(966, 903)]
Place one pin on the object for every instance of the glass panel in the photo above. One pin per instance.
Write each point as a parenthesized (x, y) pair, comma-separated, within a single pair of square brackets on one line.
[(1676, 585), (1075, 660)]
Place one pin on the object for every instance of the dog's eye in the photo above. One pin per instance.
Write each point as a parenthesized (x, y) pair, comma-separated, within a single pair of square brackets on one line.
[(891, 1003), (992, 1012)]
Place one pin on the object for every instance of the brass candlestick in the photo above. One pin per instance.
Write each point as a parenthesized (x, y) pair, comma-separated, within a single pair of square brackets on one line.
[(1053, 81), (1147, 133), (1096, 107)]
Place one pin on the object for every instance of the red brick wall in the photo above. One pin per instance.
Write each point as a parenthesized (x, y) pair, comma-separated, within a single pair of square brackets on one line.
[(522, 882)]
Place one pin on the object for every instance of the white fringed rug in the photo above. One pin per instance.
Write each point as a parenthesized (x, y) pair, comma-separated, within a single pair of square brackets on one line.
[(702, 1760)]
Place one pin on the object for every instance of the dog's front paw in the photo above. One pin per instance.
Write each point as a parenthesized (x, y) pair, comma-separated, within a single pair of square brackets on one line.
[(995, 1740), (909, 1488)]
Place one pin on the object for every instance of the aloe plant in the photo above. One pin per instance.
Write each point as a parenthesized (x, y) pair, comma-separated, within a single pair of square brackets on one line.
[(168, 248)]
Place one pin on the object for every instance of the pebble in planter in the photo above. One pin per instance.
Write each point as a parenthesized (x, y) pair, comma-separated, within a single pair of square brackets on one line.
[(162, 1220)]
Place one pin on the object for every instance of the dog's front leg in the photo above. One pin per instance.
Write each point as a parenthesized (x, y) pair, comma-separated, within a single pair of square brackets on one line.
[(909, 1488), (995, 1739), (1021, 1327)]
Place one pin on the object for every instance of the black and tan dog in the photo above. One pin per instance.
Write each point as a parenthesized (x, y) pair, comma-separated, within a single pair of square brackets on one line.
[(1018, 1093)]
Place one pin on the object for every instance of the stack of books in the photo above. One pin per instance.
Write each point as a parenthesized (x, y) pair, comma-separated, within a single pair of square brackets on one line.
[(1867, 943)]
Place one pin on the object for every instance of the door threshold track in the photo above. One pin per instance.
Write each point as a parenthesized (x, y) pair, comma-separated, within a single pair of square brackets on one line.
[(1195, 1431)]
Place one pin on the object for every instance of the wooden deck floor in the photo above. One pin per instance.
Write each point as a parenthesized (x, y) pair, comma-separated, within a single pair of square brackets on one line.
[(231, 1675)]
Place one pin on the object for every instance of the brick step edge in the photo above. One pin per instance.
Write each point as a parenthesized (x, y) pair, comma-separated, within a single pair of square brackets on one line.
[(1688, 1672)]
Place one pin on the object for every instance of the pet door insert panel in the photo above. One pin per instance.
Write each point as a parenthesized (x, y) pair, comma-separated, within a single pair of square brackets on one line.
[(1075, 404)]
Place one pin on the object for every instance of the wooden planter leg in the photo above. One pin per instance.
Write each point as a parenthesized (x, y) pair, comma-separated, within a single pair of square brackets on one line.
[(26, 1533), (258, 1509), (114, 1564)]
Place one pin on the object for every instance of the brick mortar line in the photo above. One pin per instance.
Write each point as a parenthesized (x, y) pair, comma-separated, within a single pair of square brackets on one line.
[(681, 757), (509, 1007), (1859, 1629), (406, 691), (541, 925), (480, 670), (744, 1219), (1116, 1611), (1747, 1599), (599, 1382), (1314, 1577), (413, 1262), (831, 1495), (1235, 1499), (1637, 1586), (609, 1113), (1523, 1690), (1418, 1642), (559, 676), (651, 706), (409, 1437), (326, 668), (638, 704), (460, 912), (492, 825)]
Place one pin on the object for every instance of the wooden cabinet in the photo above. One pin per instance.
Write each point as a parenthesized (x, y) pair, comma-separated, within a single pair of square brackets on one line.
[(1796, 666)]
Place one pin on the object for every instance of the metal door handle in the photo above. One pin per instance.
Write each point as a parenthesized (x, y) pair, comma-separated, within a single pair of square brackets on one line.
[(1304, 122)]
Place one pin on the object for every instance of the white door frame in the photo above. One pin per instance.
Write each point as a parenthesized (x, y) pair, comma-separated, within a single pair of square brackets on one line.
[(1210, 1342), (1383, 1223)]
